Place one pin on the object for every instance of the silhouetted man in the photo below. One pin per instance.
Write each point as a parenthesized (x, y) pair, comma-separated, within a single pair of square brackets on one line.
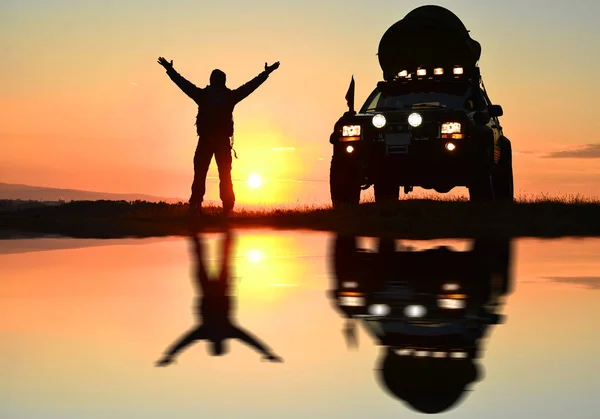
[(214, 308), (214, 124)]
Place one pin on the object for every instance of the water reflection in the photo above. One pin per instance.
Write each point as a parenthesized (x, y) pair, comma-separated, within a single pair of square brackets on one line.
[(427, 309), (215, 303)]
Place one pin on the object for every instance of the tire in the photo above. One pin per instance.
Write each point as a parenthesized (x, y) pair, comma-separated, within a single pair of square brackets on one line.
[(503, 172), (344, 184), (482, 188), (386, 192)]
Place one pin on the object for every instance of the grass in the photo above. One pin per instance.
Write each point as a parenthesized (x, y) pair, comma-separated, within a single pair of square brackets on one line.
[(437, 217)]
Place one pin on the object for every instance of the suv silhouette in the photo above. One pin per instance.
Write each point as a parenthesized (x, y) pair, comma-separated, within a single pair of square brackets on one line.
[(429, 123)]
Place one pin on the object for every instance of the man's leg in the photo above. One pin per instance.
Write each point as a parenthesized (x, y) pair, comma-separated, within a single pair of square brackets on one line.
[(223, 158), (202, 159)]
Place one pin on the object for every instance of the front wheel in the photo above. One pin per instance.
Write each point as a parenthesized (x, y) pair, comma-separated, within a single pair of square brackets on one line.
[(482, 188), (344, 183)]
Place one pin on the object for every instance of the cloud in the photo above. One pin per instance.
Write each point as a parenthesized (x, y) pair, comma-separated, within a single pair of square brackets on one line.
[(585, 151), (591, 282)]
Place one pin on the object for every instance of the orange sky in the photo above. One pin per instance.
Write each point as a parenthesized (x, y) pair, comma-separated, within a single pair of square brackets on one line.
[(84, 105)]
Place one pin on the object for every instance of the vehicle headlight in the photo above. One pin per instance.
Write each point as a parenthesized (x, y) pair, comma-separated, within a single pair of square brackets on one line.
[(415, 119), (458, 70), (451, 128), (351, 131), (379, 121)]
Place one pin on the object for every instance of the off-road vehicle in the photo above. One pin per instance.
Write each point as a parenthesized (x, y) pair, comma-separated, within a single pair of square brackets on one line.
[(429, 123)]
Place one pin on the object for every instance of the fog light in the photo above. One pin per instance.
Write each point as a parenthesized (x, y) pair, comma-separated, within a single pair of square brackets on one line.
[(414, 119), (403, 73), (421, 72), (438, 71), (349, 149), (458, 70), (450, 146)]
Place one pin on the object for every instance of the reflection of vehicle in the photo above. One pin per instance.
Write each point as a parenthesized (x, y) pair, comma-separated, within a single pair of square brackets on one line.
[(429, 123), (429, 310)]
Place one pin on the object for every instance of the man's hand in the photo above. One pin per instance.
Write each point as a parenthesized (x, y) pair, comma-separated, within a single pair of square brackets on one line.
[(273, 358), (166, 64), (163, 362), (270, 68)]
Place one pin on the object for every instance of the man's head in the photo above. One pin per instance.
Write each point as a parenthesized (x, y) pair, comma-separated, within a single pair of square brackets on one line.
[(217, 78), (218, 347)]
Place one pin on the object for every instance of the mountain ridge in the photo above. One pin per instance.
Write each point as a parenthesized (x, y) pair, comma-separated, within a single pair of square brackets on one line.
[(24, 192)]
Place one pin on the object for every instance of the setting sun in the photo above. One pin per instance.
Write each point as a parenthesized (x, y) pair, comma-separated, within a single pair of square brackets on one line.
[(254, 181)]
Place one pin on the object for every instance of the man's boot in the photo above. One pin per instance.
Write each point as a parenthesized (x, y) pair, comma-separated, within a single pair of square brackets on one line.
[(195, 209), (227, 207)]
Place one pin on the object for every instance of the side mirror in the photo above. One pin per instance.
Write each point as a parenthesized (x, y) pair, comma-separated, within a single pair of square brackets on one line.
[(495, 111), (481, 117)]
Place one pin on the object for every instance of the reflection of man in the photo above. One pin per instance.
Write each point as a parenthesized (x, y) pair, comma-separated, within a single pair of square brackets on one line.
[(214, 309), (214, 125)]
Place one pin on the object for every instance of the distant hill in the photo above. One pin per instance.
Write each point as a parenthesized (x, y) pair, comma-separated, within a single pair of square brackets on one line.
[(39, 193)]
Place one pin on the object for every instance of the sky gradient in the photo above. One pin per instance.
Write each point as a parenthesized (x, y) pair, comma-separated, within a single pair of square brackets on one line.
[(84, 104)]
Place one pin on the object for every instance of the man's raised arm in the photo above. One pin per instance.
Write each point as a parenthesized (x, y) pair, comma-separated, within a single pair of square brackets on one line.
[(180, 345), (244, 91), (188, 87)]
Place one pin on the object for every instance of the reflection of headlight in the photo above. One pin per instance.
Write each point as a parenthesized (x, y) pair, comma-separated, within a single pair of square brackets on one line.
[(379, 121), (451, 304), (450, 286), (458, 355), (414, 119), (458, 70), (379, 309), (451, 128), (351, 301), (351, 130), (415, 311)]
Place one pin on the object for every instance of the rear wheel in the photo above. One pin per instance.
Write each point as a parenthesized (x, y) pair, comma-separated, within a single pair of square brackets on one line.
[(503, 173), (344, 183)]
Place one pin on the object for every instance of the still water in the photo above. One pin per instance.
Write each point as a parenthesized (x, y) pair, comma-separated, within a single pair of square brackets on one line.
[(273, 324)]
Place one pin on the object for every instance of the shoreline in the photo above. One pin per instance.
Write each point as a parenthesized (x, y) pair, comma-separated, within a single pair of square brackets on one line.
[(408, 219)]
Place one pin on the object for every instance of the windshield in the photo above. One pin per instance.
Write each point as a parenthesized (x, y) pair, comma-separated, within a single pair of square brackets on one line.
[(381, 101)]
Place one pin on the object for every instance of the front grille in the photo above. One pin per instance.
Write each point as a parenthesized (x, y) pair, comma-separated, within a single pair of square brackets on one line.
[(429, 130)]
